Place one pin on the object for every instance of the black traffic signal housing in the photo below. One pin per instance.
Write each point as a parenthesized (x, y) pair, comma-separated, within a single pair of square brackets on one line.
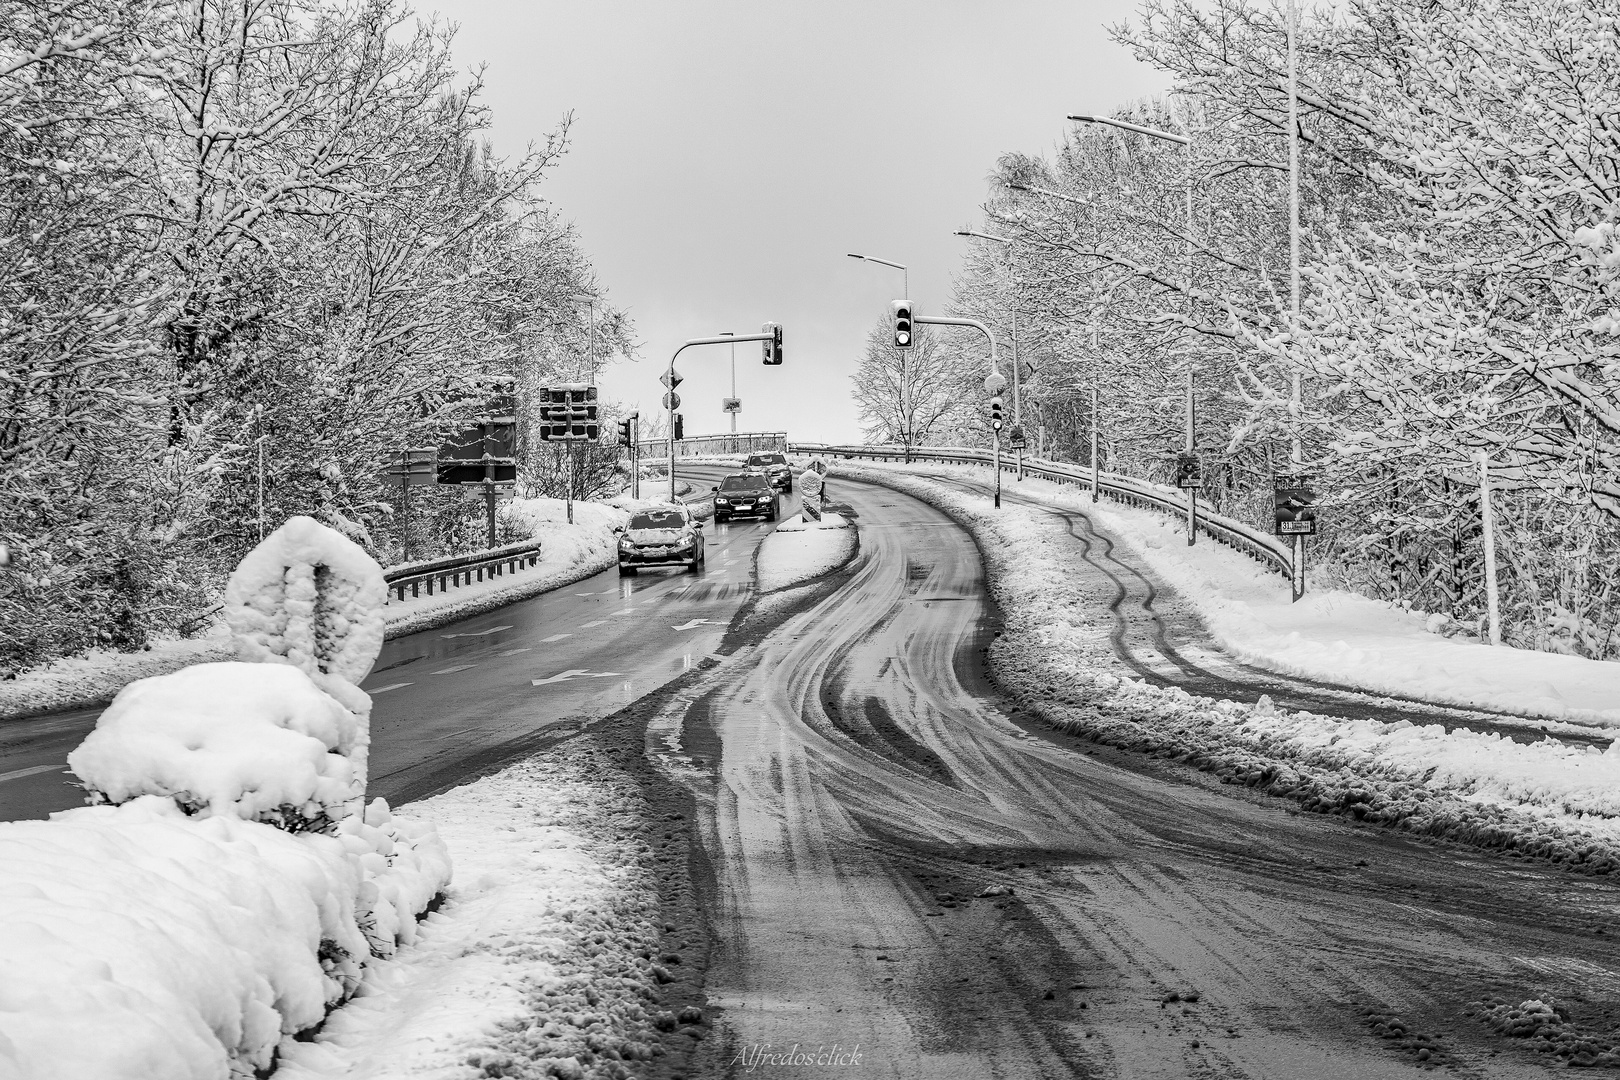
[(904, 338), (680, 426), (995, 413), (772, 346), (624, 432)]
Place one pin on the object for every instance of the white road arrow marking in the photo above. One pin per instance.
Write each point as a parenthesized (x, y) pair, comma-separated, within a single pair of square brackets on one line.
[(564, 676), (478, 633), (689, 625)]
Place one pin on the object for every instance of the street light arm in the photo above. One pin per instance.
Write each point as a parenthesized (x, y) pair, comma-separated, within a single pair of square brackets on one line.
[(975, 324), (874, 258), (1168, 136), (983, 236)]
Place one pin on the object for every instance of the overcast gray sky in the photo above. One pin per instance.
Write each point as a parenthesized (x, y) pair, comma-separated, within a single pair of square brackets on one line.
[(727, 155)]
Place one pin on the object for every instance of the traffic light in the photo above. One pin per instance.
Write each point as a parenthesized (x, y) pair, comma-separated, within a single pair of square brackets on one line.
[(903, 337), (624, 432), (995, 413), (568, 412), (773, 345), (680, 426)]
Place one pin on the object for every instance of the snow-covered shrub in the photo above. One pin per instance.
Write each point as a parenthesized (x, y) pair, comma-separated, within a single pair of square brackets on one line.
[(310, 597), (255, 741), (142, 943), (234, 890)]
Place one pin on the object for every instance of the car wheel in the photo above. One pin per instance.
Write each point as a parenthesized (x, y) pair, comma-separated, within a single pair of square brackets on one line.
[(625, 570)]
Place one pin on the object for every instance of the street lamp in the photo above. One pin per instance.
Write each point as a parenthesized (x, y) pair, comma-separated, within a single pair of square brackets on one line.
[(730, 333), (1018, 410), (1183, 141), (905, 410)]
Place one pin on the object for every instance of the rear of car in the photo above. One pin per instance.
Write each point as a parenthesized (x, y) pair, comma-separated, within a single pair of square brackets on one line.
[(660, 536), (774, 466), (747, 494)]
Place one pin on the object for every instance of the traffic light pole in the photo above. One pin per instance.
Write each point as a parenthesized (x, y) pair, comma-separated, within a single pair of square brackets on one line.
[(669, 398), (635, 455), (995, 373)]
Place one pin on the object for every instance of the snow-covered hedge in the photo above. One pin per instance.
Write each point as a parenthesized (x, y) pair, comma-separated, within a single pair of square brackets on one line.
[(1547, 799), (230, 884)]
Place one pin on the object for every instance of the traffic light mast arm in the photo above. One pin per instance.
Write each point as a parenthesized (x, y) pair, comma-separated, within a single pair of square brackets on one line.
[(945, 320), (726, 339)]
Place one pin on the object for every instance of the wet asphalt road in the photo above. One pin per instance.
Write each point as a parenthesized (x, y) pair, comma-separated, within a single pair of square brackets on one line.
[(451, 702), (860, 786)]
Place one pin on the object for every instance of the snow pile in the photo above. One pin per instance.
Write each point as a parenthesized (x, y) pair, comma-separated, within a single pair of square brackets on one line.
[(256, 741), (93, 677), (798, 551), (1547, 799), (542, 960), (234, 888), (142, 944)]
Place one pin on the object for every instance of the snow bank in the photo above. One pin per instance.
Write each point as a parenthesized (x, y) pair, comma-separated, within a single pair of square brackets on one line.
[(798, 551), (233, 889), (93, 677), (540, 961), (1549, 799)]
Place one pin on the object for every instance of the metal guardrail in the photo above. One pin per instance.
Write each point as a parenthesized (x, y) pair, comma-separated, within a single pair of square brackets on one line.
[(1236, 534), (743, 442), (456, 570)]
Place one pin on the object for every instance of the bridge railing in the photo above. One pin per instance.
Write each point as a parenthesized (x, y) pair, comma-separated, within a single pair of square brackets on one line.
[(1239, 535), (743, 442)]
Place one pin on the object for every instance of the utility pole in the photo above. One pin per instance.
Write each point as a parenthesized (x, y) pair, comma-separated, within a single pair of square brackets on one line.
[(1297, 451), (733, 383)]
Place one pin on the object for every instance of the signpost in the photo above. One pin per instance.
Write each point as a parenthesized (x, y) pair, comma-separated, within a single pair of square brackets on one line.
[(1295, 514), (483, 455), (414, 467)]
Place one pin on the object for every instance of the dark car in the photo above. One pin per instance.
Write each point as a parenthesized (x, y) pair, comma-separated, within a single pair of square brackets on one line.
[(660, 536), (747, 494), (774, 466)]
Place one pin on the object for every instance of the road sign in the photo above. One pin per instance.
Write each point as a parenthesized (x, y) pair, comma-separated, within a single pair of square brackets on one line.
[(672, 400), (994, 383), (1015, 438), (415, 467), (1189, 471), (671, 379), (731, 404), (1295, 505)]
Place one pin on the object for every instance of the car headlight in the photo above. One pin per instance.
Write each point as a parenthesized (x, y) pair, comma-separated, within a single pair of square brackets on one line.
[(721, 502), (626, 544), (765, 500)]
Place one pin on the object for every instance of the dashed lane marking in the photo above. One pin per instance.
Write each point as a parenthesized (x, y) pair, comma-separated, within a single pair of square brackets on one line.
[(478, 633), (588, 625), (391, 686), (18, 774), (554, 637), (452, 670), (512, 652)]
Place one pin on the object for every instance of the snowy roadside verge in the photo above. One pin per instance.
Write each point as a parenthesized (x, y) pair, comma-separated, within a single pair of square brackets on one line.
[(1547, 799), (542, 960), (798, 551), (1338, 636), (569, 554)]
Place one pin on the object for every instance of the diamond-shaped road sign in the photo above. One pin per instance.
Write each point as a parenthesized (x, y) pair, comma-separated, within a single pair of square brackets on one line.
[(672, 400), (671, 379)]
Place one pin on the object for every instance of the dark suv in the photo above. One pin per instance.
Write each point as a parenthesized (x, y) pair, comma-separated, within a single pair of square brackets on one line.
[(748, 494), (660, 536), (774, 466)]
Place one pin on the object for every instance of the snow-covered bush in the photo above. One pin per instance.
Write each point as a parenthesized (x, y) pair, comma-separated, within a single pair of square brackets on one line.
[(232, 884), (256, 741)]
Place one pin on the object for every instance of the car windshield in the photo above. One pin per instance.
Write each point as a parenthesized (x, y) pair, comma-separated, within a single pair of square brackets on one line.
[(767, 459), (657, 519), (741, 483)]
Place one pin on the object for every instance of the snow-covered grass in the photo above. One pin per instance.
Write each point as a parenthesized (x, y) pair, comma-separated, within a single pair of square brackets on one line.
[(1549, 798), (798, 551), (541, 960)]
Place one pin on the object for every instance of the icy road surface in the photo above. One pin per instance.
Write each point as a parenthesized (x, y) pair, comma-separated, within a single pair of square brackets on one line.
[(860, 789)]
